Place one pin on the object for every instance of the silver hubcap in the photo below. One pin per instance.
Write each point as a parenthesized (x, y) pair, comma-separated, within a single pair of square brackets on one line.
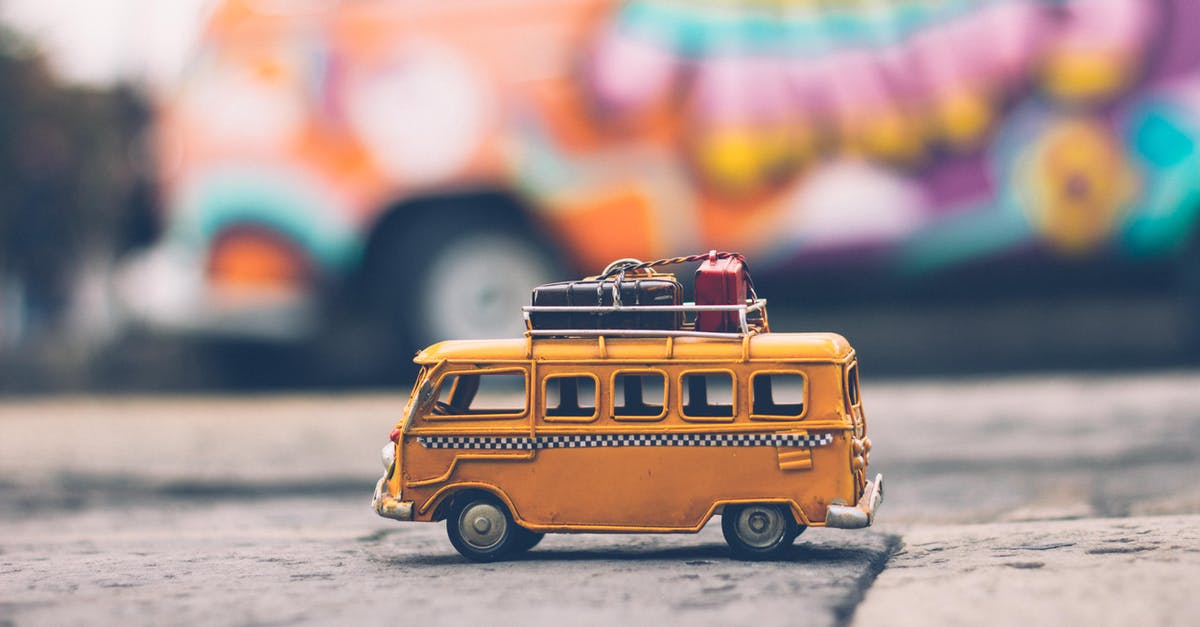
[(760, 527), (478, 286), (482, 525)]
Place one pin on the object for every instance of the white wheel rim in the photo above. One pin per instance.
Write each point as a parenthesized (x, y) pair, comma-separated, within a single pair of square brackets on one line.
[(482, 525), (477, 286), (760, 527)]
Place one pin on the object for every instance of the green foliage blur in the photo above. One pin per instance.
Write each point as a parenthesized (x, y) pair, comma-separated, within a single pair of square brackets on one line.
[(73, 177)]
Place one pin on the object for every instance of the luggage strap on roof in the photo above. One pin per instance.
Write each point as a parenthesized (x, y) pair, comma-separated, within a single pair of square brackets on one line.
[(622, 266), (745, 327)]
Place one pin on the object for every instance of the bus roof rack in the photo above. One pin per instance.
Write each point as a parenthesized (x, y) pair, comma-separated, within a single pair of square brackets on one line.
[(748, 324)]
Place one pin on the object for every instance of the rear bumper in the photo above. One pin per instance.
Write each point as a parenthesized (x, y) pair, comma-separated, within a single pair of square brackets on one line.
[(862, 514), (389, 506)]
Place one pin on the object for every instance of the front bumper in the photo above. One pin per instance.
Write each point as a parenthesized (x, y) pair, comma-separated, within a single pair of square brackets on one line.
[(861, 515), (389, 506)]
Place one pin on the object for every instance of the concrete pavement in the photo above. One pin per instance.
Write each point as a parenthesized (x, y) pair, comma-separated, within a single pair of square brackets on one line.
[(330, 560), (1111, 571), (1026, 499)]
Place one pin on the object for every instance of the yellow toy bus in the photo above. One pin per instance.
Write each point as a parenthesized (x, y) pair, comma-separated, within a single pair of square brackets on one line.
[(621, 430)]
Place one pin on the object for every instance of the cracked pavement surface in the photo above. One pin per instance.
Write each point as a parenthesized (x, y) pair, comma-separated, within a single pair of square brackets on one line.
[(1025, 499), (1111, 571), (326, 561)]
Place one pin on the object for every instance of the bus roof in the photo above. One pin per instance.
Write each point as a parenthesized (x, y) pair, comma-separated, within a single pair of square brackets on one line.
[(768, 346)]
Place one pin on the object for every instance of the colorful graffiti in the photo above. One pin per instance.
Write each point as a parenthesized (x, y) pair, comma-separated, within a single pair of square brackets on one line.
[(1079, 184), (935, 131), (955, 129), (764, 87)]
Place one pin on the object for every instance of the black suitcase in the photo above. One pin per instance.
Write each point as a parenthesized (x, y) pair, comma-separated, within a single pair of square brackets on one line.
[(656, 290)]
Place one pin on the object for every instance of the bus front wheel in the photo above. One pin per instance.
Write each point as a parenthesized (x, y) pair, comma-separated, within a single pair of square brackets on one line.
[(482, 529), (758, 531)]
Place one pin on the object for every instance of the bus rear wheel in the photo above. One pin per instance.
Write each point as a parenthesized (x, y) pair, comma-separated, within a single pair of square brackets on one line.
[(482, 529), (758, 531), (527, 539)]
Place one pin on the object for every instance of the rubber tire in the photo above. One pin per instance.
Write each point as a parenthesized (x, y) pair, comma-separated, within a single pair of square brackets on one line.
[(405, 278), (744, 551), (527, 539), (795, 531), (509, 542)]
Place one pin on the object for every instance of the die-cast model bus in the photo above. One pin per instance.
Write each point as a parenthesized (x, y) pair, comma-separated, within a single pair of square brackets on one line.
[(624, 430)]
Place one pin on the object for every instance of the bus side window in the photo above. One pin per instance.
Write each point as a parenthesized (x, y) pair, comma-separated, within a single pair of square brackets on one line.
[(570, 396), (639, 395), (777, 394), (707, 394), (481, 394)]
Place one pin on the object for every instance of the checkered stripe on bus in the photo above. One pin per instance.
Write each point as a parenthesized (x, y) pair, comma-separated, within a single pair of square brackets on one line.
[(525, 443)]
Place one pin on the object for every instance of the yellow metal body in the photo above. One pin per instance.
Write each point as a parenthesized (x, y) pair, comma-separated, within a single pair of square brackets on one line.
[(612, 473)]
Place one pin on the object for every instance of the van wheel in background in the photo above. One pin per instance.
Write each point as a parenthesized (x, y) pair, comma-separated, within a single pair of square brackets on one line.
[(758, 531), (453, 272), (481, 528), (474, 285)]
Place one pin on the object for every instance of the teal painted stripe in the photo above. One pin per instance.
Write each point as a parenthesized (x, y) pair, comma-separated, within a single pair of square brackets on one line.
[(699, 29), (283, 202)]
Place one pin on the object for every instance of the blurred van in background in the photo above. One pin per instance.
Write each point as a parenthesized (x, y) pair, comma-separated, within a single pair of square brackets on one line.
[(421, 164)]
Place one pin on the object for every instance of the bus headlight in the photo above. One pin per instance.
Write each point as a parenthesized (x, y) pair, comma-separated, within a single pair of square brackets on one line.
[(388, 455)]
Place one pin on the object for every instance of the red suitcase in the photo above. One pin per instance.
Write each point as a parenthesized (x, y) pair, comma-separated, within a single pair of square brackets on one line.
[(720, 281)]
